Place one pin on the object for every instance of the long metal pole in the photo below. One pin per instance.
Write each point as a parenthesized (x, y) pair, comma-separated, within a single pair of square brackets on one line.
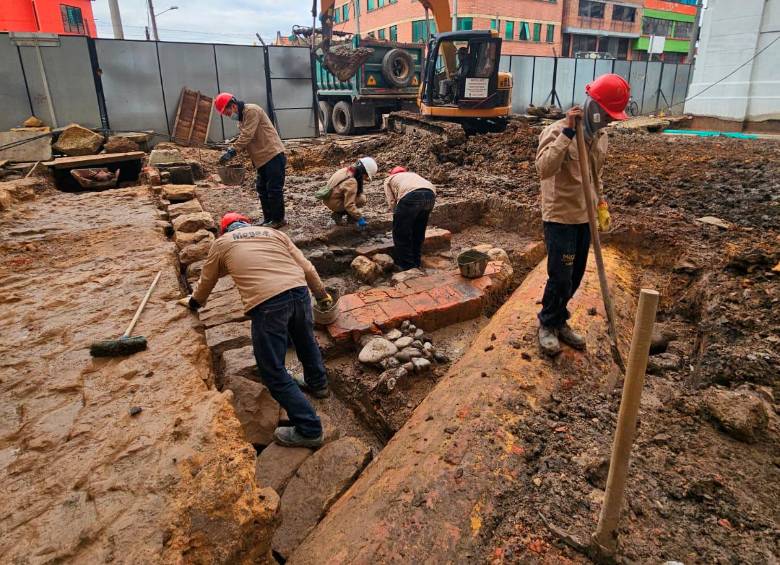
[(454, 15), (155, 35), (357, 17), (116, 19), (605, 535)]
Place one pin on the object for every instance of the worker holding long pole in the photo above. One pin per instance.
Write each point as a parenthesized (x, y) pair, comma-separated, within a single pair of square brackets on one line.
[(564, 211)]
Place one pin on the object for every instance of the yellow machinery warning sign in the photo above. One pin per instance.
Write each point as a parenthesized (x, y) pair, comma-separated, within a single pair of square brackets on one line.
[(371, 80)]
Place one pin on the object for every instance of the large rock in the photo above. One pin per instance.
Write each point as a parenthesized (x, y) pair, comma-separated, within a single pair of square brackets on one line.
[(77, 140), (384, 261), (376, 350), (193, 271), (183, 239), (165, 157), (255, 408), (117, 144), (365, 269), (228, 336), (240, 363), (194, 222), (178, 192), (31, 151), (195, 252), (276, 465), (740, 414), (317, 484)]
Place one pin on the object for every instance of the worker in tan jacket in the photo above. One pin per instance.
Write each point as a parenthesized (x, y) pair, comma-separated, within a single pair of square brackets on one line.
[(258, 136), (411, 199), (344, 194), (564, 211), (272, 277)]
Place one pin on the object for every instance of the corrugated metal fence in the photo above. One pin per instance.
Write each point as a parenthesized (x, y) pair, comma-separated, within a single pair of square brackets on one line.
[(135, 85), (654, 85)]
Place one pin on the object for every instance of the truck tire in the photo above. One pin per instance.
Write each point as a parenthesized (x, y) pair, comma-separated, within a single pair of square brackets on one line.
[(342, 118), (398, 68), (326, 116)]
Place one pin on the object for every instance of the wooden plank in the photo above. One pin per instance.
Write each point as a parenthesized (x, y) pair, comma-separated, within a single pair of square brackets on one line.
[(193, 118), (85, 160)]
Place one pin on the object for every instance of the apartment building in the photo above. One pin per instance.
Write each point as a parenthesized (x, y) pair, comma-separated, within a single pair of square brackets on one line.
[(71, 17), (528, 27), (606, 27), (675, 21)]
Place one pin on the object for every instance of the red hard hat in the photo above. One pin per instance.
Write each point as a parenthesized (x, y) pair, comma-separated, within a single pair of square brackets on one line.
[(229, 218), (222, 100), (612, 93), (397, 170)]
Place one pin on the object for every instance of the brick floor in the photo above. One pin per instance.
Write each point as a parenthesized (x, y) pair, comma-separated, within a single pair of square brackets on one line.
[(431, 302)]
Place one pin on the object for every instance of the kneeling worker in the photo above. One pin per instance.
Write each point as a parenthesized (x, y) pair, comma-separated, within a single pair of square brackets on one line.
[(259, 137), (344, 192), (272, 276), (411, 199), (564, 212)]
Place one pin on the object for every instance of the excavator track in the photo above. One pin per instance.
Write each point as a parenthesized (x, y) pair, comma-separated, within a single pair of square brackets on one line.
[(402, 122)]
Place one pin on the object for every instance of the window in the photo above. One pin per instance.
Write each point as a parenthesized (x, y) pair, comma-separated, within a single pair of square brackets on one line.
[(683, 30), (337, 16), (525, 32), (345, 12), (418, 30), (583, 43), (550, 33), (371, 35), (591, 9), (370, 5), (393, 33), (509, 31), (465, 24), (382, 34), (72, 22), (495, 24), (675, 57), (537, 32), (380, 3), (623, 13), (656, 26), (392, 1)]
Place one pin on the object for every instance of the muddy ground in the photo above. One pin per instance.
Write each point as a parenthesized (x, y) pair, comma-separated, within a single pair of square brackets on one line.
[(696, 493)]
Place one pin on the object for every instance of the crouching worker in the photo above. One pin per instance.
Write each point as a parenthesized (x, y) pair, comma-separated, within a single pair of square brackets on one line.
[(564, 211), (272, 276), (344, 192), (411, 199)]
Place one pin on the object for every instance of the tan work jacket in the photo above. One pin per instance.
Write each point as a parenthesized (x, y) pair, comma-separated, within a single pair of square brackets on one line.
[(263, 262), (400, 184), (558, 165), (344, 195), (258, 136)]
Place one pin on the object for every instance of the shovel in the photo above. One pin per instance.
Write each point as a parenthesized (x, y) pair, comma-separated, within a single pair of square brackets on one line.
[(125, 345), (587, 188)]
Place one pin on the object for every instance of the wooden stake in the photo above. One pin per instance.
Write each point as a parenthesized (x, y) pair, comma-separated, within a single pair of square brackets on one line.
[(605, 537), (587, 187)]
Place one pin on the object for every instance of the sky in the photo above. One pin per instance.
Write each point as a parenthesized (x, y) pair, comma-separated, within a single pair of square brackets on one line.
[(208, 21)]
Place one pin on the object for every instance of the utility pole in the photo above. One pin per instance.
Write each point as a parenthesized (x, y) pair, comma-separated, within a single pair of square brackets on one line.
[(116, 19), (454, 15), (695, 36), (155, 35), (357, 17)]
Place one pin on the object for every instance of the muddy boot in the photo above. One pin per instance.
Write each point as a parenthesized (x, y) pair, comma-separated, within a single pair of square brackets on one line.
[(288, 436), (571, 338), (548, 341), (319, 393), (338, 218)]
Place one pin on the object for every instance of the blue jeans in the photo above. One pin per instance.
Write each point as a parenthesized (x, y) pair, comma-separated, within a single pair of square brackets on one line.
[(567, 255), (289, 314), (270, 188), (410, 219)]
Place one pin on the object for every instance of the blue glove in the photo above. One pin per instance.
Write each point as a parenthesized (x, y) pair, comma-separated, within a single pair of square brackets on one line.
[(227, 155), (362, 223)]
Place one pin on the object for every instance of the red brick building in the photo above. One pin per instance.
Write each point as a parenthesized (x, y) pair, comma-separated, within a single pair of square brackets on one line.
[(64, 17), (529, 27), (601, 26)]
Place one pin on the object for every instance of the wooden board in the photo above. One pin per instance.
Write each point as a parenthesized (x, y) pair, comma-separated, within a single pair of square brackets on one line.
[(193, 118), (88, 160)]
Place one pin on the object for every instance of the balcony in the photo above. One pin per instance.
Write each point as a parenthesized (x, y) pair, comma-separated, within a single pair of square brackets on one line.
[(575, 22)]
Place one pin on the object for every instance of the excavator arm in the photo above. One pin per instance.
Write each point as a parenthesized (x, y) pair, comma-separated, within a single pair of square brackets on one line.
[(341, 60)]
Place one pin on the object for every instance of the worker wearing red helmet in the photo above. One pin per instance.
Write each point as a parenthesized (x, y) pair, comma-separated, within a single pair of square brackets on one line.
[(258, 136), (411, 199), (564, 212), (272, 277)]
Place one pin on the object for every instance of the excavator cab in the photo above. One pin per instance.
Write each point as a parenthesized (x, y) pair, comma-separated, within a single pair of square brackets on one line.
[(462, 82)]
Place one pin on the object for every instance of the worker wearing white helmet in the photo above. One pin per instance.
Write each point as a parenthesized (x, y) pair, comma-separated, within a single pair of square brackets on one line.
[(343, 193)]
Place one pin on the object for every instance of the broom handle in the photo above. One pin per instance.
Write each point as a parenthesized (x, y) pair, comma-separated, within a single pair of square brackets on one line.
[(141, 306)]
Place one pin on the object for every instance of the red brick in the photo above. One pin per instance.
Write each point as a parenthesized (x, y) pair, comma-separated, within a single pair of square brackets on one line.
[(373, 295), (352, 324), (422, 302), (396, 311), (350, 302)]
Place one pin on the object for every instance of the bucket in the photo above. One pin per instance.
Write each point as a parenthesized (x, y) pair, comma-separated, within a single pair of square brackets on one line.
[(472, 263), (326, 317), (231, 174)]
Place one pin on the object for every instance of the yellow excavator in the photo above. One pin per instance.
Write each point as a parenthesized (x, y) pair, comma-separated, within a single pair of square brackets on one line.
[(460, 83)]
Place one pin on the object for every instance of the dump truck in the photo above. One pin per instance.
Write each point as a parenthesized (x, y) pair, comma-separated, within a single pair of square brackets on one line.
[(388, 80)]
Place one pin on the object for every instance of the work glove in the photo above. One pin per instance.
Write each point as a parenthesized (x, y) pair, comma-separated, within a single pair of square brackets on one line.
[(361, 224), (605, 222), (325, 303), (227, 155)]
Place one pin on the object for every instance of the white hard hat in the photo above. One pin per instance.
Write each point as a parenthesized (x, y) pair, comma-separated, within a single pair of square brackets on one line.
[(370, 166)]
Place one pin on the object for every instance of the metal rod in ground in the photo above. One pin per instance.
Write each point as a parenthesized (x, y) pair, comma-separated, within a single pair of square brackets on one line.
[(605, 536)]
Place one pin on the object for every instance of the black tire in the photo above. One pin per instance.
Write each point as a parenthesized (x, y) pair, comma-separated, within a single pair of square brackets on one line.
[(326, 116), (398, 68), (342, 120)]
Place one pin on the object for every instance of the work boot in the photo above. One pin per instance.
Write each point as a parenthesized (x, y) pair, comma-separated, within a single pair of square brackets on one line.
[(319, 393), (338, 218), (276, 224), (568, 336), (288, 436), (548, 341)]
